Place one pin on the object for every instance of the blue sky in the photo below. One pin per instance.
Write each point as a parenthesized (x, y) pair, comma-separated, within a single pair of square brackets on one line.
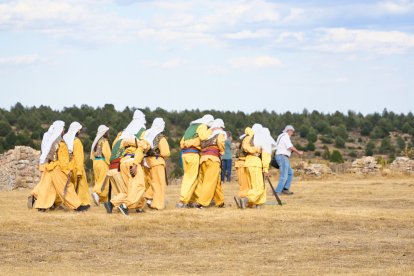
[(226, 55)]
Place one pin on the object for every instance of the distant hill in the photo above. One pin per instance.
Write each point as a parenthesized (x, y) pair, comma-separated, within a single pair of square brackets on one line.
[(336, 137)]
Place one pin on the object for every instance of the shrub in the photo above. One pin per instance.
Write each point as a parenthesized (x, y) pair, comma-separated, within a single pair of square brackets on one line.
[(326, 153), (326, 140), (312, 137), (369, 148), (339, 142), (310, 146), (336, 157)]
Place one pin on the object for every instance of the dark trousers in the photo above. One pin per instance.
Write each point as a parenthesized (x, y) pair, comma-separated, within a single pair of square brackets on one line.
[(226, 166)]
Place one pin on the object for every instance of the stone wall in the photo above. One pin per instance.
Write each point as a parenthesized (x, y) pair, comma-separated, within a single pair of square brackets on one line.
[(365, 165), (19, 168), (403, 164)]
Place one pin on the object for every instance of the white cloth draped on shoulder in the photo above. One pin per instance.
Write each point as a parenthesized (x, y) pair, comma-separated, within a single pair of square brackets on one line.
[(264, 140), (54, 132), (102, 130), (70, 136), (217, 127), (157, 127), (138, 122), (206, 120)]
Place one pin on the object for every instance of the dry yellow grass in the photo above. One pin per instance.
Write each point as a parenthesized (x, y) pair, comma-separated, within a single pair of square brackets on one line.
[(328, 227)]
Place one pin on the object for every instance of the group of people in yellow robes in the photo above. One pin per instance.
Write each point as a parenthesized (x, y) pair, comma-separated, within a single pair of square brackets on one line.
[(134, 170), (130, 173), (201, 148)]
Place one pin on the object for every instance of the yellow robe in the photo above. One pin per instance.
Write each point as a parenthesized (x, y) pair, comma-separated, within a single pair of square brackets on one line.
[(209, 181), (133, 198), (255, 167), (56, 174), (100, 171), (158, 178), (191, 164), (242, 176), (78, 170)]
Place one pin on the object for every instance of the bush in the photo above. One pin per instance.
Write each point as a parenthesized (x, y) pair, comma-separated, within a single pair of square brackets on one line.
[(318, 153), (341, 131), (353, 154), (326, 153), (336, 157), (5, 128), (312, 137), (326, 140), (310, 146), (339, 142), (366, 129), (369, 148)]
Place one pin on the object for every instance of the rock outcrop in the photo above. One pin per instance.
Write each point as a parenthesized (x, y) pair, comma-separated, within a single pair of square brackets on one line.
[(402, 164), (19, 168), (315, 170), (365, 165)]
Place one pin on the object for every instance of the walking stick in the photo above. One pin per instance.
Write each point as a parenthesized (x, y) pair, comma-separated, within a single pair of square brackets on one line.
[(274, 192)]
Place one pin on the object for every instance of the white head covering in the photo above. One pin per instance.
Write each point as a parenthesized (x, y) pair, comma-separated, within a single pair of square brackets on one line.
[(69, 137), (102, 129), (46, 137), (158, 126), (257, 127), (206, 120), (288, 127), (217, 126), (138, 122), (55, 131), (263, 139)]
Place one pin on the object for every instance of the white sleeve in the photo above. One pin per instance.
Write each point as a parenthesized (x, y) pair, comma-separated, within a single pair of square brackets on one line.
[(287, 142)]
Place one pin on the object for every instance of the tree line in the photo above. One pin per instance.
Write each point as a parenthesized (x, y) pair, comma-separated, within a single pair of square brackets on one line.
[(22, 125)]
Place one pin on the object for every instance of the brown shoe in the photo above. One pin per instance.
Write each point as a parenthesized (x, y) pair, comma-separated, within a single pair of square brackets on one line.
[(287, 192)]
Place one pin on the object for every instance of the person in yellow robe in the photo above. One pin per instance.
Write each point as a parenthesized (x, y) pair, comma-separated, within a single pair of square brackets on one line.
[(77, 155), (124, 150), (209, 182), (242, 177), (190, 151), (100, 155), (132, 167), (57, 183), (155, 158), (35, 191), (258, 146)]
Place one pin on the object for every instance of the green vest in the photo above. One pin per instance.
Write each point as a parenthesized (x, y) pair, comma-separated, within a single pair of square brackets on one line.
[(191, 132), (117, 151)]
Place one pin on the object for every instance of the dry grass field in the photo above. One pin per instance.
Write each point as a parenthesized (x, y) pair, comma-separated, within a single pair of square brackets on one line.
[(331, 226)]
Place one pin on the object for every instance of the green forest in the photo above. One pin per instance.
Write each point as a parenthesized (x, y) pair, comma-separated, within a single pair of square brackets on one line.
[(336, 137)]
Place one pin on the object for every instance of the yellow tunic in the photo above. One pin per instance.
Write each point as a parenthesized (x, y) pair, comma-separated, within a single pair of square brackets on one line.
[(158, 177), (191, 164), (78, 170), (209, 180), (255, 166), (242, 176), (133, 197), (100, 170), (56, 173)]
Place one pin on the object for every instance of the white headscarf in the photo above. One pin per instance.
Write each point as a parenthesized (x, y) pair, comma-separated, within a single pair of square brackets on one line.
[(56, 130), (217, 126), (46, 137), (138, 122), (157, 127), (263, 139), (70, 136), (206, 120), (102, 129)]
